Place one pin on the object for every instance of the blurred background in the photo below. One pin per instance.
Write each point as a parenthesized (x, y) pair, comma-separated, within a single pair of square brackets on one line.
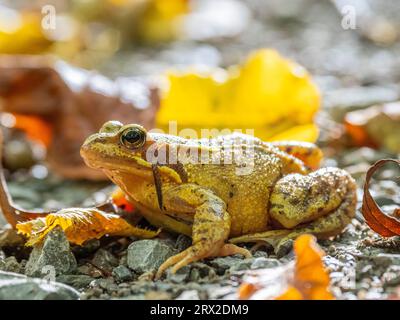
[(350, 48), (139, 37), (331, 75)]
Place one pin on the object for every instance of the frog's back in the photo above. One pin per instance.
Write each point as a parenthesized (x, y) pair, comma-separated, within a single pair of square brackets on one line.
[(243, 180)]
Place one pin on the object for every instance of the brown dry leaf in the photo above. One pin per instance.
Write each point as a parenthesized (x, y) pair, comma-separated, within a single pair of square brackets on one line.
[(73, 102), (376, 219), (81, 225), (307, 279)]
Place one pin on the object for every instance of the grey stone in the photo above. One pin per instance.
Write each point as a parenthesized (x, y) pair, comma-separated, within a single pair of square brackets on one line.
[(148, 255), (19, 287), (106, 284), (105, 260), (225, 263), (180, 276), (262, 262), (52, 256), (188, 295), (122, 273), (77, 281), (387, 259), (10, 264), (241, 265)]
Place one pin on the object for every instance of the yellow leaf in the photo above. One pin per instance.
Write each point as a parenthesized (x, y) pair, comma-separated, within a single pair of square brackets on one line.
[(81, 225), (25, 37), (267, 93), (160, 20)]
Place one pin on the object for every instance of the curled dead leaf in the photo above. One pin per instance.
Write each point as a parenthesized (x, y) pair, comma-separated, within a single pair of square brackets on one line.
[(305, 279), (376, 219), (81, 225)]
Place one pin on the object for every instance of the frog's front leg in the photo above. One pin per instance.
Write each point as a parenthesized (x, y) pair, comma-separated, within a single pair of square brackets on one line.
[(211, 225)]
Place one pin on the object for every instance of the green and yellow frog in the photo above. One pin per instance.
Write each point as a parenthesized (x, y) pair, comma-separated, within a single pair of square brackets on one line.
[(223, 191)]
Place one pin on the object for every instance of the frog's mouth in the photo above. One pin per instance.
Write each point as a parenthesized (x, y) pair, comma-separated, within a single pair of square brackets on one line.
[(111, 159), (103, 157)]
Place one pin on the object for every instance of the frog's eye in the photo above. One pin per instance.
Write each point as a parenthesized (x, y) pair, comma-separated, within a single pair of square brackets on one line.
[(110, 127), (133, 138)]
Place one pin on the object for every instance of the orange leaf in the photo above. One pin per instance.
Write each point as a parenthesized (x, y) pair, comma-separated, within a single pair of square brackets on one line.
[(310, 278), (35, 128), (376, 219), (81, 225), (307, 279)]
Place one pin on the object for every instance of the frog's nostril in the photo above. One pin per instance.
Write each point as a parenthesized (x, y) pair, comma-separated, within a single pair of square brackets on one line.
[(111, 126)]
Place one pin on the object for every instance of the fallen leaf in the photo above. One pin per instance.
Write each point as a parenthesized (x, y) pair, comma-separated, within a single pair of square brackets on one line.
[(62, 105), (305, 279), (81, 225), (376, 219), (35, 128), (262, 94)]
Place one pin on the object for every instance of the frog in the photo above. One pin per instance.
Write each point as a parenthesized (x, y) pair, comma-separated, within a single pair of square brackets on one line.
[(225, 190)]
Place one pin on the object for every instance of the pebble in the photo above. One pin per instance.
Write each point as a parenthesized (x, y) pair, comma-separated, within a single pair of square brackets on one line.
[(75, 280), (53, 257), (122, 274), (262, 262), (148, 255), (105, 260), (189, 295), (18, 287), (182, 275)]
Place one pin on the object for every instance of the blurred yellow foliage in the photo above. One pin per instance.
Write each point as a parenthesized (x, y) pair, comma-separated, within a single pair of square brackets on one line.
[(268, 93), (27, 37), (160, 20)]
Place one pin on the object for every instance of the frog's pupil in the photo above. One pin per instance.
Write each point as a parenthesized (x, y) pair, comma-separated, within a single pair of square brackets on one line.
[(132, 136)]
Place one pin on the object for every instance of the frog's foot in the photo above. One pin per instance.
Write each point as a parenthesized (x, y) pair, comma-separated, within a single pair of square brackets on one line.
[(197, 251), (200, 251), (230, 249)]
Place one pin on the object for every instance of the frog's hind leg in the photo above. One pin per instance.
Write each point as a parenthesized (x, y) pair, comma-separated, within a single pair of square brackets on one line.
[(307, 152), (321, 203)]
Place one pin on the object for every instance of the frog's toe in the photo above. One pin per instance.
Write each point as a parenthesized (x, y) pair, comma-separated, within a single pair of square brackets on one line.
[(191, 254), (229, 249)]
